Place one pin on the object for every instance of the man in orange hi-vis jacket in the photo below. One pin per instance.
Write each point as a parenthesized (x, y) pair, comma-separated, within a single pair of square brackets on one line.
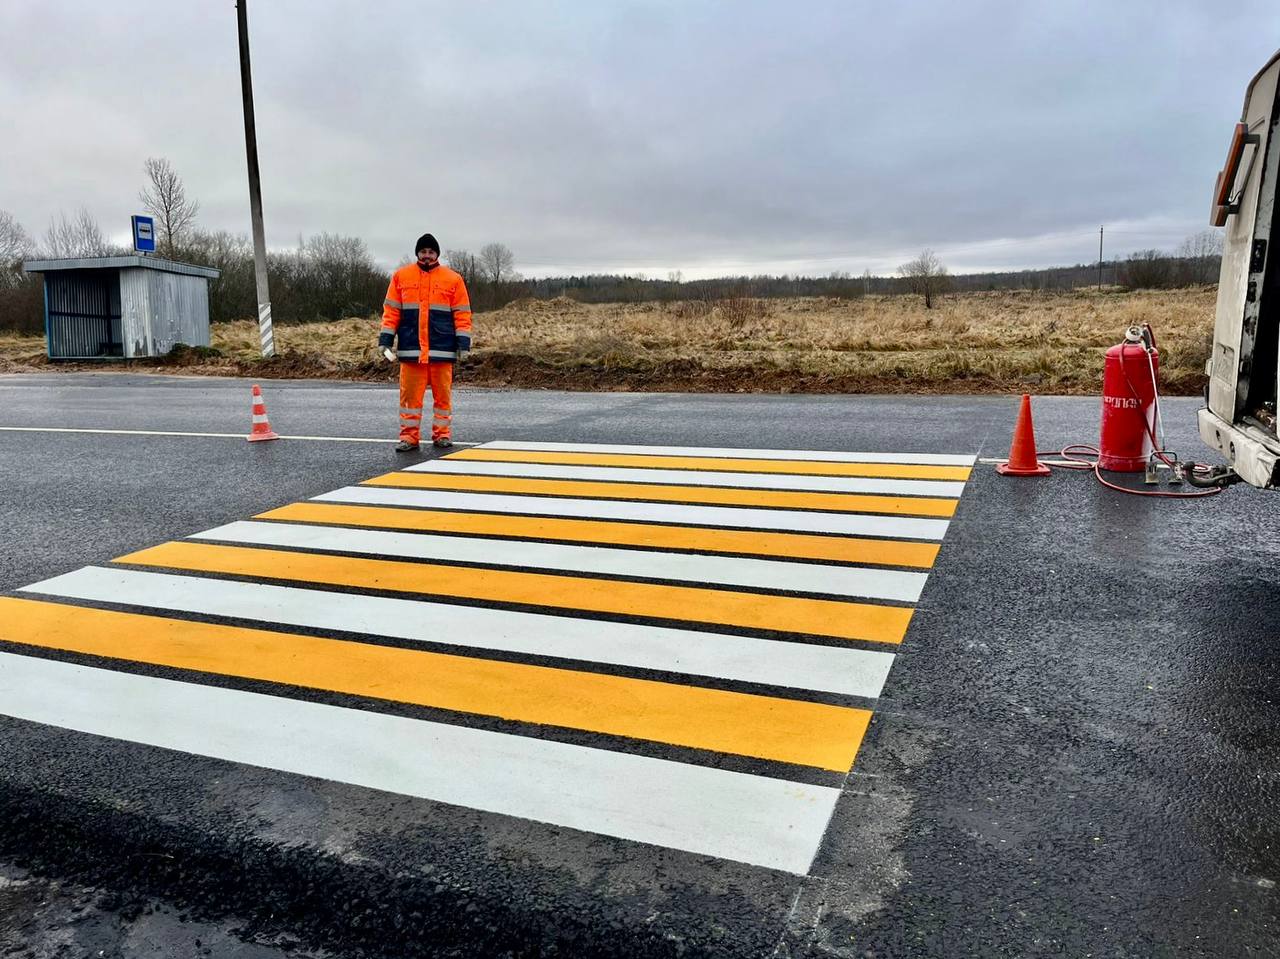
[(428, 317)]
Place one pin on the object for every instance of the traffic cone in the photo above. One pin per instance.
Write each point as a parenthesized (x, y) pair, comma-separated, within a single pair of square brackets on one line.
[(1022, 454), (261, 428)]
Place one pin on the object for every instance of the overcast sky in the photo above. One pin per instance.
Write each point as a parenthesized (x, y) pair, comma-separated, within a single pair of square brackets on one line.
[(706, 137)]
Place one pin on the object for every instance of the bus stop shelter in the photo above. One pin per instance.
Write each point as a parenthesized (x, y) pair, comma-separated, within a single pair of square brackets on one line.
[(123, 306)]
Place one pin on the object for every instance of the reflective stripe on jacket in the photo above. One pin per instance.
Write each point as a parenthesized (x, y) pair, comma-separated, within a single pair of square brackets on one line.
[(427, 314)]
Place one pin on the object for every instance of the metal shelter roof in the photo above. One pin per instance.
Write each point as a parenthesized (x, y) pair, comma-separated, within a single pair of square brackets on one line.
[(120, 262)]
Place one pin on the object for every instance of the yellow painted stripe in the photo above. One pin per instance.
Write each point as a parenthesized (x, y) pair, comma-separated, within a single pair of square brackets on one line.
[(719, 496), (837, 549), (766, 727), (882, 624), (890, 470)]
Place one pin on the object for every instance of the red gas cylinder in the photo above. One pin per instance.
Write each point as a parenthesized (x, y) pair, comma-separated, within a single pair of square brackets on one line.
[(1128, 403)]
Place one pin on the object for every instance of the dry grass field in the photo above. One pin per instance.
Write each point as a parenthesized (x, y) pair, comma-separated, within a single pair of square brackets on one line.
[(1007, 341)]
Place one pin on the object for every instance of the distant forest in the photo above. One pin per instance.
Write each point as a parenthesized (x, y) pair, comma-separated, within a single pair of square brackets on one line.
[(328, 276), (1148, 270)]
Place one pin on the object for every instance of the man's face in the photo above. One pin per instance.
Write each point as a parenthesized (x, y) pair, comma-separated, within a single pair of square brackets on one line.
[(428, 257)]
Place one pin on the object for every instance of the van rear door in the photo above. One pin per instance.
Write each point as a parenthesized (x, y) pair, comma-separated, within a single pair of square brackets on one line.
[(1241, 417)]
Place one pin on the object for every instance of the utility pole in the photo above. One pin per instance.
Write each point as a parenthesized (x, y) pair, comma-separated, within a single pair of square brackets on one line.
[(1099, 259), (255, 186)]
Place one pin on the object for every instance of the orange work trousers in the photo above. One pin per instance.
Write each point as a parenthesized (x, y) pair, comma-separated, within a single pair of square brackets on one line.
[(414, 379)]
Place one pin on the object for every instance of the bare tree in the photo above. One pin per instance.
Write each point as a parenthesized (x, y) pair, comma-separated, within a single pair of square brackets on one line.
[(234, 294), (1146, 270), (926, 276), (15, 244), (467, 264), (336, 251), (338, 275), (79, 237), (1201, 256), (166, 200), (497, 263)]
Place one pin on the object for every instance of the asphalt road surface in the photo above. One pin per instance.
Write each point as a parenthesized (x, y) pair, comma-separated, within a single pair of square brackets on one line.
[(726, 700)]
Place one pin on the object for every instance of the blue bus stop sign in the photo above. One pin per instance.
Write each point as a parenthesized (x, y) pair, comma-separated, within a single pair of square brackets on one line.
[(144, 234)]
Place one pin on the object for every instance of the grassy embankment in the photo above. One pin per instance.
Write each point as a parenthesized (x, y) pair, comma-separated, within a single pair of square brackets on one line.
[(971, 343)]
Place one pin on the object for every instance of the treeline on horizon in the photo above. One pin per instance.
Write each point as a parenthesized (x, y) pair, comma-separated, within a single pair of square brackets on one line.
[(328, 276), (1149, 269)]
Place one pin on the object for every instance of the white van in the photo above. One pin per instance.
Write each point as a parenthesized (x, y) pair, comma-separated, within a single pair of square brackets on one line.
[(1240, 420)]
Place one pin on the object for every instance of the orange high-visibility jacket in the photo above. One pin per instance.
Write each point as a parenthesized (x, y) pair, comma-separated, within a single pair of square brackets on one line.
[(427, 314)]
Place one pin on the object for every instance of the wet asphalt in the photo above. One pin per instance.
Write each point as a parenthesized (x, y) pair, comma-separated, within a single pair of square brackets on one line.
[(1077, 752)]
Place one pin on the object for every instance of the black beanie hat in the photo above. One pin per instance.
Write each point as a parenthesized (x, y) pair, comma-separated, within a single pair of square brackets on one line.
[(426, 242)]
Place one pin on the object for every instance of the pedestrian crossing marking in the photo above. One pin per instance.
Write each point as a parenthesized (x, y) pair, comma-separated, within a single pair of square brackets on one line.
[(764, 727), (840, 669), (760, 820), (789, 614), (781, 465), (772, 499), (733, 517), (817, 456), (732, 606), (757, 574), (800, 546), (776, 481)]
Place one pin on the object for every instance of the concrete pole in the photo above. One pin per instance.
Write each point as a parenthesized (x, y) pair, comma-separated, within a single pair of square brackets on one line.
[(255, 186), (1100, 229)]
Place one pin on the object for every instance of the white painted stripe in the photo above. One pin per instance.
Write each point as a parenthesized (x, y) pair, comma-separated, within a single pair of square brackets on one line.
[(817, 456), (238, 436), (260, 417), (846, 524), (842, 670), (729, 815), (769, 481), (685, 567)]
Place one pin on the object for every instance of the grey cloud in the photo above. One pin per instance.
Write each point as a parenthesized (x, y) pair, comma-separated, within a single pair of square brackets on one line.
[(646, 135)]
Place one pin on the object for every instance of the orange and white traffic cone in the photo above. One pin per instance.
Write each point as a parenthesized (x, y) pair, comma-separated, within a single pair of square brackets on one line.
[(1022, 454), (261, 428)]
